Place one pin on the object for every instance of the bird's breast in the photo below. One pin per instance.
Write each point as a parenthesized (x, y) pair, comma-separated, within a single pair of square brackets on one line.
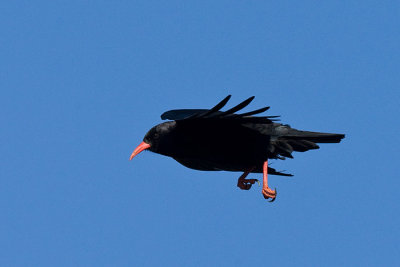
[(219, 145)]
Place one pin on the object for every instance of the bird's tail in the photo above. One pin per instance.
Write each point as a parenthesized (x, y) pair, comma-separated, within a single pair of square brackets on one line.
[(301, 141), (315, 137)]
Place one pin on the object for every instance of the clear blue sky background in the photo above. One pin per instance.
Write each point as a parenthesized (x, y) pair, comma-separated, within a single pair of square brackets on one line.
[(82, 82)]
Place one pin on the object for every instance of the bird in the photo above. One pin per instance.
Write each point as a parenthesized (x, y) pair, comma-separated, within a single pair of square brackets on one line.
[(215, 140)]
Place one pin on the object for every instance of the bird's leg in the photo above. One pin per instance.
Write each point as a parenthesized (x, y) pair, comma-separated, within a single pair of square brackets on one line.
[(245, 184), (266, 191)]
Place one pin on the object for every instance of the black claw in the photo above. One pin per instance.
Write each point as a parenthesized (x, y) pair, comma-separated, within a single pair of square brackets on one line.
[(276, 193)]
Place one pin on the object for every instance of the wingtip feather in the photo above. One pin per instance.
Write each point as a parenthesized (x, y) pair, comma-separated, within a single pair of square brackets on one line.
[(239, 106)]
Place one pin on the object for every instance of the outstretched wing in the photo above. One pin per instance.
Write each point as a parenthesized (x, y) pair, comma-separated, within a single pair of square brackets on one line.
[(215, 113)]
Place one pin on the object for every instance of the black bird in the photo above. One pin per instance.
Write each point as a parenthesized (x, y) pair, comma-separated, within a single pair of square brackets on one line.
[(214, 140)]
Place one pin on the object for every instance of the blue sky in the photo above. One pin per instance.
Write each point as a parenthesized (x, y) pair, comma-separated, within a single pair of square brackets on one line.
[(82, 82)]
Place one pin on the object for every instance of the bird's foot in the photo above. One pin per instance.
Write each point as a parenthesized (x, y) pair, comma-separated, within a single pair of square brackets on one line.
[(245, 184), (269, 193)]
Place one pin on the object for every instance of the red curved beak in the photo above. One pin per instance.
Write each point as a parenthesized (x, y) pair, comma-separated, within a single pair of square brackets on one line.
[(139, 149)]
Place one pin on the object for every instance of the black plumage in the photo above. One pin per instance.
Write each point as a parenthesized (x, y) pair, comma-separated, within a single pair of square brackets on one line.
[(214, 140)]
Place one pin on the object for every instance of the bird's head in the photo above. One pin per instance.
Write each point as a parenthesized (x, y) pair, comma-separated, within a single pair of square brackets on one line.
[(157, 139)]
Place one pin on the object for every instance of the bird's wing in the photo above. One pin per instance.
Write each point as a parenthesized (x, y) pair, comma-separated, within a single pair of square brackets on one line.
[(181, 114), (215, 113)]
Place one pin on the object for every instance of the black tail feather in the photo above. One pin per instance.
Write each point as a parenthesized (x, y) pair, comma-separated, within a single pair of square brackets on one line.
[(302, 141), (316, 137)]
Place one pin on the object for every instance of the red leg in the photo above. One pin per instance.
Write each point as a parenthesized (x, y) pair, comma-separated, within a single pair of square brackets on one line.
[(245, 184), (266, 191)]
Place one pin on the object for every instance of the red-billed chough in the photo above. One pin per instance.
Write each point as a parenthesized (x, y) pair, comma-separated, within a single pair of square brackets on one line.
[(214, 140)]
